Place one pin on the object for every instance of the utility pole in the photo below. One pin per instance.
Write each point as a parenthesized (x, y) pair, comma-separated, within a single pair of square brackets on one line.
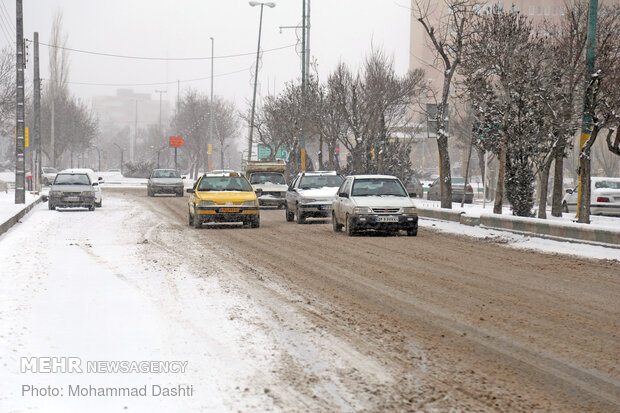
[(211, 113), (303, 84), (583, 198), (160, 132), (20, 160), (36, 135)]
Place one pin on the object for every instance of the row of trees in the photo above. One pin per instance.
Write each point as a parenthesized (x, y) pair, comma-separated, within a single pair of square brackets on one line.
[(524, 85), (362, 111)]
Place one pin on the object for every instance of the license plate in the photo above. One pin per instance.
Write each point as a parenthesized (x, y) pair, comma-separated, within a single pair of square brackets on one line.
[(325, 207), (229, 209), (387, 219), (72, 198)]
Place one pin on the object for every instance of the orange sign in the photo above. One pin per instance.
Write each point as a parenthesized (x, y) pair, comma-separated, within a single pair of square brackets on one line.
[(176, 141)]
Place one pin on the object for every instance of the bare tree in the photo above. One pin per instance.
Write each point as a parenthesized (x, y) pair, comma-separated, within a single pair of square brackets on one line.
[(448, 35), (7, 85), (59, 76), (226, 122)]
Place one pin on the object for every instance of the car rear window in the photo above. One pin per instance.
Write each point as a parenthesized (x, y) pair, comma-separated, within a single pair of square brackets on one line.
[(607, 184)]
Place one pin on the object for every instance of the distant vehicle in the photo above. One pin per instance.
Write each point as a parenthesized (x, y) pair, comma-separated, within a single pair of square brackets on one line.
[(311, 195), (415, 189), (268, 176), (165, 181), (96, 181), (374, 202), (224, 197), (457, 190), (114, 171), (72, 190), (604, 197), (48, 174)]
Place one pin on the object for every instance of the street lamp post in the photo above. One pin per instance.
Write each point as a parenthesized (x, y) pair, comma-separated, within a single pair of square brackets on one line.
[(160, 132), (260, 26), (211, 112)]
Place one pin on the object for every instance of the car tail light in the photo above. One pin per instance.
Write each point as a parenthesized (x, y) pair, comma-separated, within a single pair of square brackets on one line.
[(469, 188), (602, 199)]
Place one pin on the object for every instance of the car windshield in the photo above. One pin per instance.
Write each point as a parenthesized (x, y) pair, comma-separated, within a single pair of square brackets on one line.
[(72, 179), (166, 173), (377, 187), (320, 181), (607, 184), (267, 178), (224, 183)]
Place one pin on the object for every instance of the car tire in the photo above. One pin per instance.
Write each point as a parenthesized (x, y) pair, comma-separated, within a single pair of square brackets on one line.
[(290, 216), (91, 207), (149, 192), (197, 222), (564, 207), (412, 232), (99, 204), (337, 227), (348, 227), (255, 222), (51, 206), (190, 220), (301, 219), (179, 193)]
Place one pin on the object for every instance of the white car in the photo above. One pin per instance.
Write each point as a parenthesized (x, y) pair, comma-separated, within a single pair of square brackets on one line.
[(311, 195), (96, 180), (48, 175), (604, 197), (374, 202)]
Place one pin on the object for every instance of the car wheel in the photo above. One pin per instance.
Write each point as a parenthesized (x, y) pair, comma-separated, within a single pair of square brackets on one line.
[(290, 215), (412, 232), (348, 227), (91, 207), (197, 222), (564, 207), (255, 222), (99, 204), (179, 194), (51, 206), (335, 224), (149, 192), (301, 219), (190, 220)]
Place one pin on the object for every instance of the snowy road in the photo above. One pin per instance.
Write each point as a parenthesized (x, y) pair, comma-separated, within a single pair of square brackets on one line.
[(298, 318)]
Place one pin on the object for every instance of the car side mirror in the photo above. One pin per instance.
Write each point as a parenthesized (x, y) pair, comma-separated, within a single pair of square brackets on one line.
[(569, 191), (100, 179), (190, 190), (343, 195), (290, 188), (184, 177), (259, 192), (95, 183)]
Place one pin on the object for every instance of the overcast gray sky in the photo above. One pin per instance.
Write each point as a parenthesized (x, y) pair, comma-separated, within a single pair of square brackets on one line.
[(340, 30)]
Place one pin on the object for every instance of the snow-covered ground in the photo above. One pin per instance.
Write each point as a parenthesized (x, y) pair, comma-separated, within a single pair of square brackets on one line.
[(8, 207), (75, 284)]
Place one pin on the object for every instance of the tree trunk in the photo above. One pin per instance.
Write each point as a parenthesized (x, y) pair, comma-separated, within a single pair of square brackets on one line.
[(444, 173), (321, 166), (585, 173), (501, 174), (558, 181), (543, 183)]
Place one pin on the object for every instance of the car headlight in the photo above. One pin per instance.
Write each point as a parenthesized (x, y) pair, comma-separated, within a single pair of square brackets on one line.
[(362, 210), (307, 200), (88, 193), (409, 210), (250, 203), (206, 203), (54, 193)]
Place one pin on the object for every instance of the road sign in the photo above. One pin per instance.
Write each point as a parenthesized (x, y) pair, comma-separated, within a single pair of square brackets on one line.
[(176, 141), (264, 151)]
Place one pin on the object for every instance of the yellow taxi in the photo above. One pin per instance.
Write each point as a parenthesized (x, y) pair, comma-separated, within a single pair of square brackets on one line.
[(223, 197)]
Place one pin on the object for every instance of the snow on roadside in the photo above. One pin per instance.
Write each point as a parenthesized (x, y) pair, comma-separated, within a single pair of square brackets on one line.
[(64, 296), (524, 241), (8, 207)]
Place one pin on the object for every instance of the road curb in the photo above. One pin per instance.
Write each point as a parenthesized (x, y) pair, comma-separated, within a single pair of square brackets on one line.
[(6, 225), (528, 226)]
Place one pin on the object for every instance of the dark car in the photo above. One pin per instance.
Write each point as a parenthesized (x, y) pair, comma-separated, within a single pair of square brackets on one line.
[(165, 181), (415, 189), (458, 188), (72, 190)]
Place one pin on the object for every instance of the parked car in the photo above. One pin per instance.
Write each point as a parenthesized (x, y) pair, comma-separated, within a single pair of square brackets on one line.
[(72, 189), (311, 195), (96, 182), (374, 202), (415, 189), (604, 197), (48, 175), (225, 197), (457, 190), (165, 181)]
